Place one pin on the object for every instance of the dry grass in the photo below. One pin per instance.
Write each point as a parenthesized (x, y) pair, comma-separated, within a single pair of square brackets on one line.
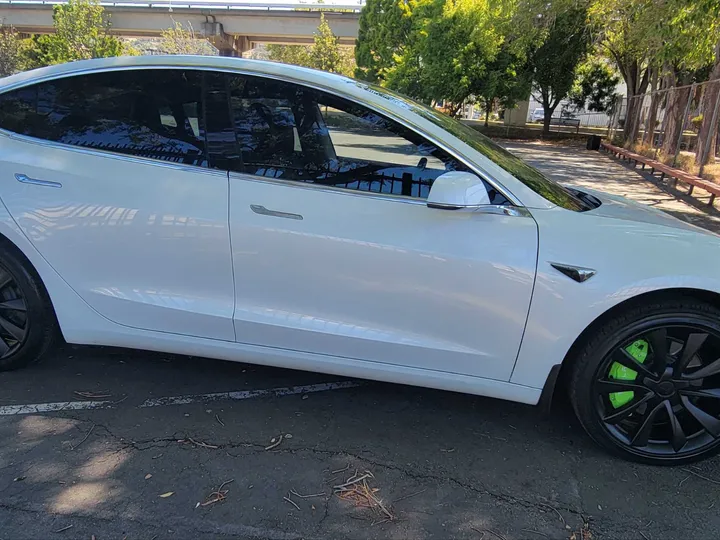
[(685, 161)]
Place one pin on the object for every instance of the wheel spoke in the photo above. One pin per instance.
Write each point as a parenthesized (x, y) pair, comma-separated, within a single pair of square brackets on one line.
[(678, 438), (707, 371), (5, 280), (659, 346), (17, 304), (691, 347), (709, 422), (12, 329), (608, 386), (622, 414), (622, 357), (713, 393), (4, 347), (642, 435)]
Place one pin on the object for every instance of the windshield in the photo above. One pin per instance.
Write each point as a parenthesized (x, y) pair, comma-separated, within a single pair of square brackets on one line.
[(531, 177)]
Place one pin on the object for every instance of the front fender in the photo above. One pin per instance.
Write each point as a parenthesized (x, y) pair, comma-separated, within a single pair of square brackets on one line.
[(630, 258)]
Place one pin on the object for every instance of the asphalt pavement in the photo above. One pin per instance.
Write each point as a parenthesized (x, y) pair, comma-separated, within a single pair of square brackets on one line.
[(115, 443)]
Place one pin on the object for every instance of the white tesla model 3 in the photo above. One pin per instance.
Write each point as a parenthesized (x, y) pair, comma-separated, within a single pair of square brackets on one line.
[(266, 213)]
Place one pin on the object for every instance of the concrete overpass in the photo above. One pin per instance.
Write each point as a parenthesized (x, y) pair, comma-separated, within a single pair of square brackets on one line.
[(233, 27)]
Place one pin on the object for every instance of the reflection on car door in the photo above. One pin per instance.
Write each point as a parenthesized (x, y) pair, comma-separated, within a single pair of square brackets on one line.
[(335, 252), (139, 224)]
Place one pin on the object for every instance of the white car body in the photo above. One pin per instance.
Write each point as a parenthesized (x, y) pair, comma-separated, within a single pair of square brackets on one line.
[(152, 255)]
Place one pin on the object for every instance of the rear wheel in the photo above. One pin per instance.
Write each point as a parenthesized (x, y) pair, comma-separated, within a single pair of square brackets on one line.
[(27, 320), (647, 385)]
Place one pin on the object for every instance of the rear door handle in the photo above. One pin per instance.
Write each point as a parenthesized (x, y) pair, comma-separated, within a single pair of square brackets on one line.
[(25, 179), (274, 213)]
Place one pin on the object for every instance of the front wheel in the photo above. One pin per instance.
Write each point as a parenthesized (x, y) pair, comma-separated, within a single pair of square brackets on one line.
[(646, 386)]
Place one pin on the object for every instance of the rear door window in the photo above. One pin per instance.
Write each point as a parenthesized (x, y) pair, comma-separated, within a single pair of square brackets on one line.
[(154, 114)]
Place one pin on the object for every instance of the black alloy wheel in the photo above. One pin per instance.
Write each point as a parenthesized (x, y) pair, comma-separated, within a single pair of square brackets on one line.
[(14, 322), (674, 397), (647, 386), (27, 318)]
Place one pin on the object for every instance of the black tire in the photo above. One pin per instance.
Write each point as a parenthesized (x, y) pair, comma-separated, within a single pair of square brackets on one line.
[(593, 385), (40, 324)]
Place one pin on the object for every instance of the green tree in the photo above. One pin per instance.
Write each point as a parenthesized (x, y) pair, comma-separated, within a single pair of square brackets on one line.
[(82, 31), (325, 53), (633, 35), (552, 65), (594, 86), (383, 34), (298, 55), (505, 82), (11, 49), (181, 39), (459, 38), (696, 31)]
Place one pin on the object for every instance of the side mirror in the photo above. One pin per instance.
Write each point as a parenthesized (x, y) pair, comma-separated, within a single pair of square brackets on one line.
[(455, 190)]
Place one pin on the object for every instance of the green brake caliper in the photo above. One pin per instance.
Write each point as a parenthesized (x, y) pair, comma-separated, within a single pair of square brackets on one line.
[(639, 351)]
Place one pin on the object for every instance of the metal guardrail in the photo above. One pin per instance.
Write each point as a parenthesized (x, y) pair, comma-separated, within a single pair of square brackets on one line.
[(204, 4)]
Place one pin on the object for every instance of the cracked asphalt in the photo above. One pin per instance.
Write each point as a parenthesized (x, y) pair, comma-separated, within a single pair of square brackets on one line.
[(445, 465)]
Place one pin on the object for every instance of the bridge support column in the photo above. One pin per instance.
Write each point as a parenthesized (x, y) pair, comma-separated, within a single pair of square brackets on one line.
[(226, 44), (234, 46)]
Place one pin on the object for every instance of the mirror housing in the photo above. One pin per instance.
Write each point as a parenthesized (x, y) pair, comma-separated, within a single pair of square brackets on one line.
[(457, 189)]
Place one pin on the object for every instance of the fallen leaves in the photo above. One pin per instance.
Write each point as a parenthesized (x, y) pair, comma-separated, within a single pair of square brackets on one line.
[(167, 494), (148, 476)]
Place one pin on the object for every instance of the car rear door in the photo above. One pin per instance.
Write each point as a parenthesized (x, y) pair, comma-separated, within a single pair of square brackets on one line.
[(336, 253), (109, 180)]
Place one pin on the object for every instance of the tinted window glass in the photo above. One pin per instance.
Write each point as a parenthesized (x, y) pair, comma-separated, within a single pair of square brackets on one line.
[(531, 177), (295, 133), (147, 113)]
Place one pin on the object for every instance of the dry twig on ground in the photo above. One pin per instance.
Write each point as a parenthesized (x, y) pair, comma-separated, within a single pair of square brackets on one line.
[(288, 499), (307, 496), (217, 495), (200, 443), (92, 395), (84, 438), (274, 443), (357, 490)]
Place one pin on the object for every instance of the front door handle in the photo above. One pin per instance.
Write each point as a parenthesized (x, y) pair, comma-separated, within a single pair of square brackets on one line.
[(274, 213), (25, 179)]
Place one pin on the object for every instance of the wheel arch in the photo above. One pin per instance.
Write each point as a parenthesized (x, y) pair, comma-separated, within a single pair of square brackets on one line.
[(558, 374), (11, 246)]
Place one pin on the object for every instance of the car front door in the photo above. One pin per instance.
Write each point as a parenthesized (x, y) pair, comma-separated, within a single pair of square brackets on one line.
[(125, 208), (336, 253)]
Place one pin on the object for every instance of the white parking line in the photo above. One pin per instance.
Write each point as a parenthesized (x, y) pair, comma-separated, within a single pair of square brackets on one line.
[(9, 410)]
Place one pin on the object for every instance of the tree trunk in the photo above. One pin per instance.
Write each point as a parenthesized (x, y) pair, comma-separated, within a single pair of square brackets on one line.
[(487, 111), (675, 111), (636, 79), (547, 115), (649, 137), (707, 106), (633, 119)]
